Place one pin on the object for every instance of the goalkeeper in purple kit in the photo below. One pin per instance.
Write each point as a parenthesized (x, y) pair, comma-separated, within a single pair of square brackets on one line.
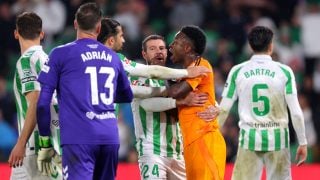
[(88, 78)]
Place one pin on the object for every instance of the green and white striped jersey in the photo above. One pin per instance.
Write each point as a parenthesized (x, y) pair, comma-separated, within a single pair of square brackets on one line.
[(157, 133), (127, 65), (264, 89), (28, 68)]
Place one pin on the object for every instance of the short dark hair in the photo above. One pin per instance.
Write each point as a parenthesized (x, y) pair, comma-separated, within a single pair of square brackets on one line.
[(151, 37), (197, 37), (108, 29), (29, 25), (88, 15), (260, 37)]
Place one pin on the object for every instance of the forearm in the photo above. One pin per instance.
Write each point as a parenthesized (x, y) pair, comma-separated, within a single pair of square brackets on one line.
[(297, 118), (158, 104), (30, 122), (147, 92), (158, 72), (225, 107), (43, 111)]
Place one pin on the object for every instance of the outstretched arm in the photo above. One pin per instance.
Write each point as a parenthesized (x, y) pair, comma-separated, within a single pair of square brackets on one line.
[(160, 72), (147, 92), (159, 104)]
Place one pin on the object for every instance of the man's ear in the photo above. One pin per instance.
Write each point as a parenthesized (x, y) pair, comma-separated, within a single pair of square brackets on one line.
[(110, 41), (75, 24), (16, 34), (41, 35), (98, 28), (144, 54), (187, 48)]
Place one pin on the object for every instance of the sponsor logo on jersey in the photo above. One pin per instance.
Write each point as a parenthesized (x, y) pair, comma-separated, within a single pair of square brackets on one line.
[(55, 122), (105, 115), (29, 79)]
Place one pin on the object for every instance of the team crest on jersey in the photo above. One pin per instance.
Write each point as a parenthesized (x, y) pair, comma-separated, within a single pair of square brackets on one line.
[(27, 73), (93, 46)]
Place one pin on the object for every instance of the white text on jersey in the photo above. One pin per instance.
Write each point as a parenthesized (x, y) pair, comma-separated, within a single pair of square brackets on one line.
[(96, 55)]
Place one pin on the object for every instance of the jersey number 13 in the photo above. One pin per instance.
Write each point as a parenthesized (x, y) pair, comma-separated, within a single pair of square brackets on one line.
[(106, 99)]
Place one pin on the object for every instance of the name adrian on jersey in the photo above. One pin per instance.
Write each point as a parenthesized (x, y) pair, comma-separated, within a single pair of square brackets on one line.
[(96, 55)]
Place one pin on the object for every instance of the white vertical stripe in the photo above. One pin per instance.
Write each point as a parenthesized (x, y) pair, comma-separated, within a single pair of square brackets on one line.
[(271, 140), (163, 135), (246, 140), (258, 140)]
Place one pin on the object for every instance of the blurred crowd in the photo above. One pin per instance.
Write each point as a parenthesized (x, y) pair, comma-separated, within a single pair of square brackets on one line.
[(296, 24)]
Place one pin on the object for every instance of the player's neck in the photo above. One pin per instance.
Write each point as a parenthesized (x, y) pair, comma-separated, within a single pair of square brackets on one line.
[(26, 44), (190, 59), (86, 34)]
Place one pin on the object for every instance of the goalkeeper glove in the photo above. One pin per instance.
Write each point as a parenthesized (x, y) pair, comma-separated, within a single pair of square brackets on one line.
[(45, 154)]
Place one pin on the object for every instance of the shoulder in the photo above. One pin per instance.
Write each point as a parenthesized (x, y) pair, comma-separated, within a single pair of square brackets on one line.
[(205, 62), (238, 67)]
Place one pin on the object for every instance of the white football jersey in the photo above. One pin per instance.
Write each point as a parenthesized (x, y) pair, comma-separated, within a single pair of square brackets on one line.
[(262, 86)]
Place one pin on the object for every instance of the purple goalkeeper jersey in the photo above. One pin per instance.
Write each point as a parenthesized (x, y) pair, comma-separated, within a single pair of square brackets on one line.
[(88, 78)]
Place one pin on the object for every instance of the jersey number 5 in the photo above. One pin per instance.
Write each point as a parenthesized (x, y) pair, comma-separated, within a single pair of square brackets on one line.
[(107, 100), (263, 99)]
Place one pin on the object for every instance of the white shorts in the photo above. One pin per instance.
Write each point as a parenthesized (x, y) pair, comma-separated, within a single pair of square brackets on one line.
[(29, 171), (249, 165), (156, 167)]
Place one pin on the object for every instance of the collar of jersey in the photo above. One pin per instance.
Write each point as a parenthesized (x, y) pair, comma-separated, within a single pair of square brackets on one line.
[(32, 48), (261, 57)]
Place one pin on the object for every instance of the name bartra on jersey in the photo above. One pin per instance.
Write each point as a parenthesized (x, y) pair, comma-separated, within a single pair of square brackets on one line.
[(259, 72), (96, 55)]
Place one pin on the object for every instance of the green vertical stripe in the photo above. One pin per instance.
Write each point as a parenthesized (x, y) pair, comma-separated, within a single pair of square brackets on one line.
[(143, 116), (29, 86), (36, 141), (264, 139), (169, 136), (286, 138), (25, 63), (140, 147), (116, 107), (156, 133), (56, 108), (178, 143), (277, 138), (252, 139), (232, 87), (59, 141), (243, 132), (289, 82)]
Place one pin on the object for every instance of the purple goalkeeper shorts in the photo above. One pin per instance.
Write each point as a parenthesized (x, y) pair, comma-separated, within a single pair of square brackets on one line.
[(89, 161)]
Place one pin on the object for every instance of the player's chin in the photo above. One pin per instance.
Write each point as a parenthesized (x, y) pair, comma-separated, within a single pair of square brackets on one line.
[(160, 63), (173, 59)]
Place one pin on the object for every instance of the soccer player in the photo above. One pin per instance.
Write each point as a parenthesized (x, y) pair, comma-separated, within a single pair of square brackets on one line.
[(23, 157), (111, 35), (89, 78), (265, 89), (158, 136), (204, 146)]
